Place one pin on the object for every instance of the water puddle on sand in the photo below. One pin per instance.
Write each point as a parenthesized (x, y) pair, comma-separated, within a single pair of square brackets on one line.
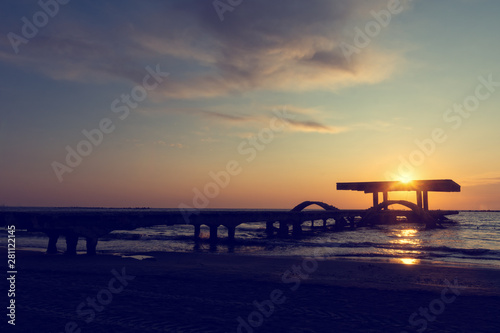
[(140, 257)]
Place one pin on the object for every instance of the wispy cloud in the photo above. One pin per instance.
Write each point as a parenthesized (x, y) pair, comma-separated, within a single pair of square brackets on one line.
[(294, 125), (223, 116), (313, 126), (491, 178)]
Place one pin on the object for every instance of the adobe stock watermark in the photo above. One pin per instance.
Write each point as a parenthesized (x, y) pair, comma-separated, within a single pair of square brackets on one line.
[(30, 28), (363, 37), (222, 6), (453, 117), (420, 319), (248, 148), (88, 310), (119, 106), (292, 278)]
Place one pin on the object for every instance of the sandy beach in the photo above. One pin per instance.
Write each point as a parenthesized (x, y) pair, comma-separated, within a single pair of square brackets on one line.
[(196, 292), (250, 166)]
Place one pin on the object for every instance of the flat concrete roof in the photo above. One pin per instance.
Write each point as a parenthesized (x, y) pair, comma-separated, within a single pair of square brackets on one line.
[(435, 185)]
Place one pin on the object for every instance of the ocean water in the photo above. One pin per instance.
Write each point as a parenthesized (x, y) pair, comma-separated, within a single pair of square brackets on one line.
[(470, 238)]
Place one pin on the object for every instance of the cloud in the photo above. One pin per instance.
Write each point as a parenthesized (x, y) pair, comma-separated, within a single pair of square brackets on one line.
[(263, 120), (312, 126), (288, 45), (483, 179), (222, 116)]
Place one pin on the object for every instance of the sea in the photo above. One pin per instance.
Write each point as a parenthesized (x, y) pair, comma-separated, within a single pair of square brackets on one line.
[(469, 238)]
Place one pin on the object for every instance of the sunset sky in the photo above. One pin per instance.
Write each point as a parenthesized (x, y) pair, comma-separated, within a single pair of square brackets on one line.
[(259, 104)]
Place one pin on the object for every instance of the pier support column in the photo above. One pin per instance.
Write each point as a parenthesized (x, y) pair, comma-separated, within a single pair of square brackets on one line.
[(283, 231), (419, 199), (297, 229), (324, 223), (53, 237), (71, 243), (230, 233), (269, 228), (213, 232), (339, 223), (91, 245), (375, 199), (197, 229), (351, 222), (386, 197), (426, 200)]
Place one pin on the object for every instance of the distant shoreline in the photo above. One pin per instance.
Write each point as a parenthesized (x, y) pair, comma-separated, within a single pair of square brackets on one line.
[(170, 208), (479, 211)]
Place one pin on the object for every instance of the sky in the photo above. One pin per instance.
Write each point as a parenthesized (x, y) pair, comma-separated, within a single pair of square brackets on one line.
[(246, 104)]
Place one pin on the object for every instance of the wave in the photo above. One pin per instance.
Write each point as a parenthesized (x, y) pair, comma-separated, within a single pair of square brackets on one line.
[(271, 243)]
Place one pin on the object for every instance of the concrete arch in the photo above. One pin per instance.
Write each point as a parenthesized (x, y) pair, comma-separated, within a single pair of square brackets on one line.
[(423, 215), (405, 203), (306, 204)]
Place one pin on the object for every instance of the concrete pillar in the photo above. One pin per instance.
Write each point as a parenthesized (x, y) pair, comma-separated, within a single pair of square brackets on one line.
[(419, 199), (297, 229), (91, 245), (197, 229), (269, 228), (351, 222), (230, 233), (71, 243), (52, 247), (339, 223), (324, 223), (386, 197), (213, 232), (375, 199), (426, 200), (283, 231)]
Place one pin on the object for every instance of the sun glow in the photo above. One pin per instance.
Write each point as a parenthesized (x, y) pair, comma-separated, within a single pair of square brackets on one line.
[(405, 179)]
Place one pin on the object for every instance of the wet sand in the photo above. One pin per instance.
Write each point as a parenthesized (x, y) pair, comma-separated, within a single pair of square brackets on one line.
[(198, 292)]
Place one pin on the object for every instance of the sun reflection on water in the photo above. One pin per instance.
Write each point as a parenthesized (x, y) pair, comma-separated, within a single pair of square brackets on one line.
[(406, 237), (409, 261), (406, 243)]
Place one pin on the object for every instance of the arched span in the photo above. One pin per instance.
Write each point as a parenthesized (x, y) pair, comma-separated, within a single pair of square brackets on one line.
[(405, 203), (423, 215), (306, 204)]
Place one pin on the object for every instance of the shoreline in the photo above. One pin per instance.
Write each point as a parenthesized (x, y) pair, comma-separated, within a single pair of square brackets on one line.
[(373, 259)]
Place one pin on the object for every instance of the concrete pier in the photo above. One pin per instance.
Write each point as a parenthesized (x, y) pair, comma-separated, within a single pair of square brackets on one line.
[(92, 223)]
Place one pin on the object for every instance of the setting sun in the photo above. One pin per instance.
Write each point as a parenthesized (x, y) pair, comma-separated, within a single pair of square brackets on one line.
[(405, 179)]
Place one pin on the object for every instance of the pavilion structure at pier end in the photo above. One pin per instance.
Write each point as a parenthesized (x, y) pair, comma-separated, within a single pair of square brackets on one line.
[(421, 187)]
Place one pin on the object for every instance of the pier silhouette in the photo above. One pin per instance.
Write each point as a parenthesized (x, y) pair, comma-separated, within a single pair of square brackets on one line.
[(93, 223)]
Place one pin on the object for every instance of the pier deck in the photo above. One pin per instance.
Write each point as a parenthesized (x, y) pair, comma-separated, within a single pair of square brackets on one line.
[(93, 223)]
